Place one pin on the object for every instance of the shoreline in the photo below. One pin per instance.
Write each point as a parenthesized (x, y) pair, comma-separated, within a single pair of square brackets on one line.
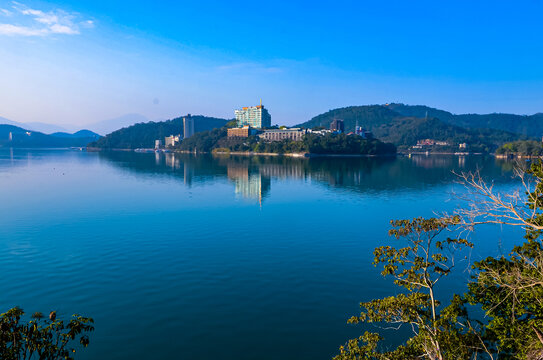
[(312, 155), (302, 155), (516, 156), (242, 153)]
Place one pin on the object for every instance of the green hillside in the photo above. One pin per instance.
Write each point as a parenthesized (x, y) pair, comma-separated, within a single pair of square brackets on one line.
[(32, 139), (143, 135), (404, 131), (529, 125), (367, 116)]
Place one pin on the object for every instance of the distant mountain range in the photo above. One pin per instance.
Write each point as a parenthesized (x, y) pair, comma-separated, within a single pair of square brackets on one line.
[(34, 126), (14, 136), (403, 125), (101, 127), (143, 135)]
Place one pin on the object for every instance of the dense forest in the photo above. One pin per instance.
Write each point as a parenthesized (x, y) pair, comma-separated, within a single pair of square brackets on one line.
[(404, 131), (143, 135), (522, 148), (528, 125)]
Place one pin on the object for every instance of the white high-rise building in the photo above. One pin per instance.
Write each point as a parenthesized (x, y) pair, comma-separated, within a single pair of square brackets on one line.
[(254, 116)]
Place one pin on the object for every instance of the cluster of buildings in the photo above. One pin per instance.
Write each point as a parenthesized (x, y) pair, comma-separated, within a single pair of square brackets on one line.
[(256, 120), (253, 120), (431, 142), (425, 143), (172, 140)]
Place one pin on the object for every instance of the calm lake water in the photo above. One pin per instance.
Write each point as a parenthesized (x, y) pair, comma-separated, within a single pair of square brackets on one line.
[(195, 257)]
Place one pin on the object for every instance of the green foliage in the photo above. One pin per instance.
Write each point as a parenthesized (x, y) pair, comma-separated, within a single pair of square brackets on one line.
[(207, 141), (508, 289), (418, 267), (511, 293), (204, 141), (41, 338), (526, 125), (525, 148), (346, 144)]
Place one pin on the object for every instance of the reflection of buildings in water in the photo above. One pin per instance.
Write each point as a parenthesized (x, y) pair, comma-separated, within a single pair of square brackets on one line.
[(157, 158), (282, 171), (430, 161), (462, 161), (250, 185), (172, 161), (188, 174)]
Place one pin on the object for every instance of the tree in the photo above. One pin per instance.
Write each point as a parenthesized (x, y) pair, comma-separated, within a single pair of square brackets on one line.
[(418, 267), (41, 338), (508, 289)]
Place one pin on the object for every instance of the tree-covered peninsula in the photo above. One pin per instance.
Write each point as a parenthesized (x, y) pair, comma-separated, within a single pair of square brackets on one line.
[(216, 140), (528, 148)]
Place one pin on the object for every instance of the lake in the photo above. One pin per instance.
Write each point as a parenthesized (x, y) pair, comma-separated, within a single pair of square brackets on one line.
[(201, 257)]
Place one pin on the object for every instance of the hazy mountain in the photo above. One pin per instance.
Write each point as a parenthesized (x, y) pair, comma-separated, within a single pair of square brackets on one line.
[(34, 126), (78, 134), (105, 127), (21, 137), (144, 135)]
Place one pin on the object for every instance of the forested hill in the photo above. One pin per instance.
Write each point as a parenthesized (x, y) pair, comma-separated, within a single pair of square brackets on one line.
[(33, 139), (143, 135), (405, 130), (529, 125), (369, 116)]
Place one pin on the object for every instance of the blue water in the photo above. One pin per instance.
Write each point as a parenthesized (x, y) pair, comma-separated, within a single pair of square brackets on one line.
[(195, 257)]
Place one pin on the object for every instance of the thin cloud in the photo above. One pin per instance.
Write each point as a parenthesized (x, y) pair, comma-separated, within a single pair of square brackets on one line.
[(34, 22)]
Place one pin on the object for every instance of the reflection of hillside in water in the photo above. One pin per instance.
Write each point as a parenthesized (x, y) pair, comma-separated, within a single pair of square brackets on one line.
[(252, 176)]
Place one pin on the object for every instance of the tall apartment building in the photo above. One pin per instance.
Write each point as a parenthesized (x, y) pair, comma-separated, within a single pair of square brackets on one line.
[(254, 116), (188, 126), (337, 125)]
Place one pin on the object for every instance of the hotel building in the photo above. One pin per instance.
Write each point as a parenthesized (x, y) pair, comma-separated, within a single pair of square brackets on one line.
[(255, 116)]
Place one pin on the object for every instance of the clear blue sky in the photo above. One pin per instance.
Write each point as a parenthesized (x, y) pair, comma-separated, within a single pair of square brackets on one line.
[(75, 62)]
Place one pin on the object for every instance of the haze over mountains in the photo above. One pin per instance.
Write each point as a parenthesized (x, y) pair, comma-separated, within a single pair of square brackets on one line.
[(14, 136), (34, 126), (103, 127)]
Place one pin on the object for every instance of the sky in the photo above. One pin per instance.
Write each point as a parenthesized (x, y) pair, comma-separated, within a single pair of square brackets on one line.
[(77, 62)]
